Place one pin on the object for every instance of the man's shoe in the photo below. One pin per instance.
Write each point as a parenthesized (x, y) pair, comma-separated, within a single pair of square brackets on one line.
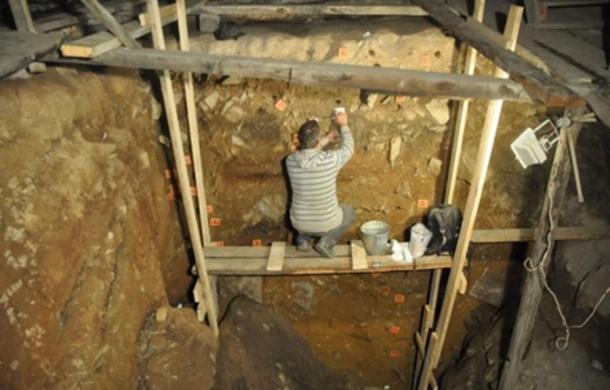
[(325, 250), (303, 246)]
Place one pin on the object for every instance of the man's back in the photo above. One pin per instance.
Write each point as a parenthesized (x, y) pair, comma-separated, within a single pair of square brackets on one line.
[(313, 173)]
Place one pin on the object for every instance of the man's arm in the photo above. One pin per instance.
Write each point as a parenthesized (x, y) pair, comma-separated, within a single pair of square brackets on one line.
[(346, 149)]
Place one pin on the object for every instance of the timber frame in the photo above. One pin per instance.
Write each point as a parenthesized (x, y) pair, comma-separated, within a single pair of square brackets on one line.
[(527, 82)]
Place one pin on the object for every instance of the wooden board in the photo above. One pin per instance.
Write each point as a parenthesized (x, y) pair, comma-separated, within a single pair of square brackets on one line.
[(18, 49), (386, 80), (96, 44), (359, 259), (482, 236), (275, 262), (320, 265), (536, 82), (21, 15), (282, 12)]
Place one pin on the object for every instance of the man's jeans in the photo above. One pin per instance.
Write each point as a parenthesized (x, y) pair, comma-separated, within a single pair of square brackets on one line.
[(331, 237)]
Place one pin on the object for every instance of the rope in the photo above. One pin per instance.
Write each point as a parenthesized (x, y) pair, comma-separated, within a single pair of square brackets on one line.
[(561, 342)]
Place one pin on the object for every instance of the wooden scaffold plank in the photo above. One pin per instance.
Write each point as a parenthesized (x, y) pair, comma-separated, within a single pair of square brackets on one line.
[(183, 176)]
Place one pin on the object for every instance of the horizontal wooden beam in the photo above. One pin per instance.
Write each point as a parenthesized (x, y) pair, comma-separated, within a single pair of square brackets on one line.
[(378, 79), (283, 12), (102, 42), (540, 85), (312, 264), (482, 236)]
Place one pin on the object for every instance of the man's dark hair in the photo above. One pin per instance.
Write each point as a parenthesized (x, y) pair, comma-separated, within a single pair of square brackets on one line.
[(309, 133)]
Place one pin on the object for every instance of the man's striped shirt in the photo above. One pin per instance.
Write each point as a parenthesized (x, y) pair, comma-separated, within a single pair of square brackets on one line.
[(313, 178)]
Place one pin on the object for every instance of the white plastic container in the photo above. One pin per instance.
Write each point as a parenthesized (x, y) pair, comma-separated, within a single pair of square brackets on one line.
[(420, 237)]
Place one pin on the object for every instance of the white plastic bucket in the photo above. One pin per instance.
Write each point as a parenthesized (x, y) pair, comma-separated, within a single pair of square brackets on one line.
[(420, 237), (375, 235)]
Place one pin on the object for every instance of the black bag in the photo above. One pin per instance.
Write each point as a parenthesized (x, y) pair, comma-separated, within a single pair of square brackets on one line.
[(444, 221)]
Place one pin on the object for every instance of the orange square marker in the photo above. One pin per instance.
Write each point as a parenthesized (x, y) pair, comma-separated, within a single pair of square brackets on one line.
[(394, 353), (399, 298), (219, 244), (400, 99), (171, 195), (280, 105), (385, 290), (210, 209), (193, 191), (168, 174), (343, 53), (187, 160), (395, 329), (257, 243), (215, 222), (425, 60), (375, 275), (422, 203)]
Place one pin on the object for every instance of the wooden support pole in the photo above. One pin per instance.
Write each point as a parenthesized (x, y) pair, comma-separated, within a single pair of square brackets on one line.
[(454, 164), (21, 15), (462, 112), (543, 87), (390, 81), (574, 160), (488, 134), (191, 112), (540, 253), (110, 23), (183, 176)]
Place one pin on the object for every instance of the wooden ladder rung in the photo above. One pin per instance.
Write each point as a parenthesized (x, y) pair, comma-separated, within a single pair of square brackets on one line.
[(275, 262), (359, 259)]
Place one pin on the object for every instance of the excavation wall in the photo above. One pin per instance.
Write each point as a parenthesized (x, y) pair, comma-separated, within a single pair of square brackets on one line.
[(90, 244)]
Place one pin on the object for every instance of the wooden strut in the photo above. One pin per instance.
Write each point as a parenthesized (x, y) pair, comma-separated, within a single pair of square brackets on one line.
[(183, 176), (543, 87), (191, 111), (454, 164), (532, 289), (110, 23), (21, 15), (490, 126)]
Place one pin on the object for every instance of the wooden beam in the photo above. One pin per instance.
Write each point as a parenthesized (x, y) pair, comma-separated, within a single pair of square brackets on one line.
[(22, 16), (191, 111), (319, 265), (488, 134), (536, 82), (539, 255), (18, 49), (110, 23), (386, 80), (293, 11), (183, 176), (102, 42), (485, 236)]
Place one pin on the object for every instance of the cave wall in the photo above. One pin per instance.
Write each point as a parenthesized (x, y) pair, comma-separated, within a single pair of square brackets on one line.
[(90, 243), (245, 136)]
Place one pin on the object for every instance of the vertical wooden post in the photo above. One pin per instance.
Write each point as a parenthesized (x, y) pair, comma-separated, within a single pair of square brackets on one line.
[(462, 113), (21, 15), (110, 23), (488, 134), (454, 163), (183, 176), (191, 112), (531, 292)]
